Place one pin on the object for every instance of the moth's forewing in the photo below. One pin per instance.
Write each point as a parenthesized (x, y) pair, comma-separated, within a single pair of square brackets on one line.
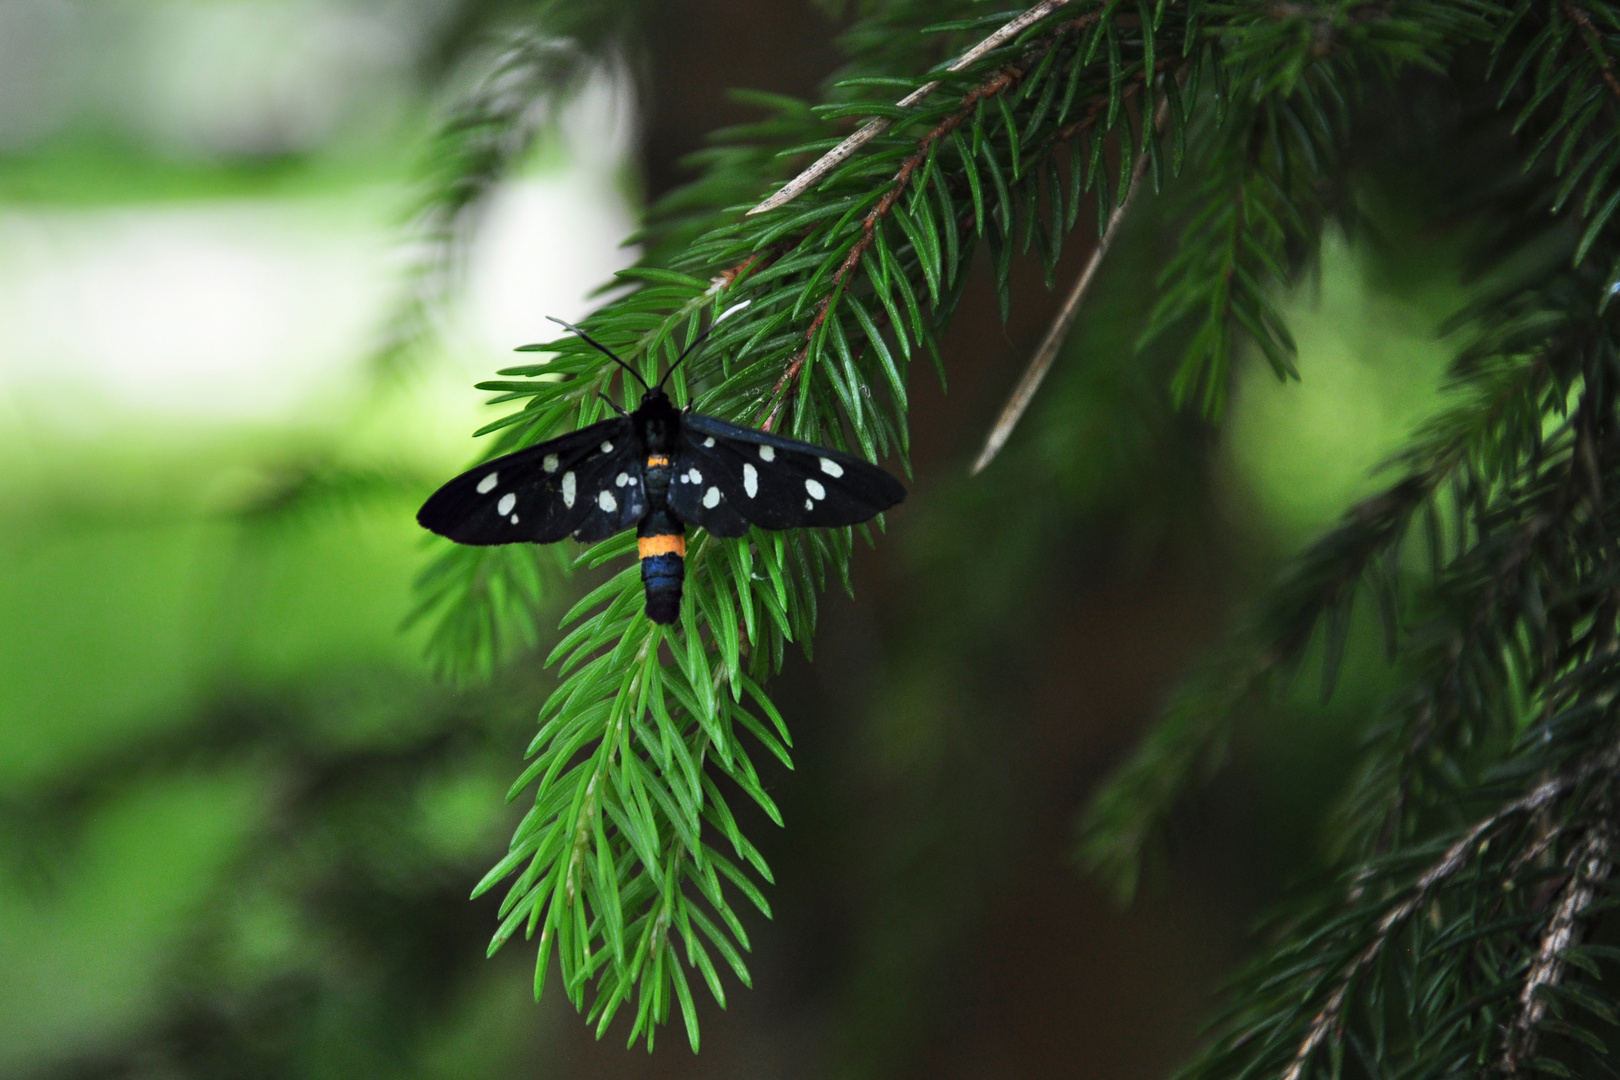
[(543, 493), (776, 482)]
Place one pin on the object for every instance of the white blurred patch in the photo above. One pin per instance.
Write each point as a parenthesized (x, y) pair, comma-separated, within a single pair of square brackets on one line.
[(545, 246), (249, 78), (227, 309), (540, 250), (263, 308)]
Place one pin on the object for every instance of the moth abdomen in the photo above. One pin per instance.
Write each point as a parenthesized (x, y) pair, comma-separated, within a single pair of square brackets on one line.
[(661, 543)]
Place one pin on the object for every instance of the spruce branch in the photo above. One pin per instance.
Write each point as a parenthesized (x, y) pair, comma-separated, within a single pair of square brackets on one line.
[(873, 128), (849, 278), (1454, 947), (845, 285), (1003, 81), (1515, 528), (1532, 341), (1430, 942), (1501, 394), (1589, 864), (1456, 857)]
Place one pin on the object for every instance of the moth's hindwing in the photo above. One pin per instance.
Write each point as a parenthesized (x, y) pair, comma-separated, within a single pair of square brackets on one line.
[(586, 484), (724, 472)]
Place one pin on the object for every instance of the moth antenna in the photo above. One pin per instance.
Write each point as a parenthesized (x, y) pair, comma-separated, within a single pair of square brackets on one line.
[(614, 405), (702, 336), (599, 347)]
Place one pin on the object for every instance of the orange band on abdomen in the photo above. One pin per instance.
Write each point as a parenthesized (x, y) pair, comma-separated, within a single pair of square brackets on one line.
[(648, 546)]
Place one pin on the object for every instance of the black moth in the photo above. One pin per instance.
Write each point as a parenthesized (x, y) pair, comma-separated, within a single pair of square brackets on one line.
[(658, 468)]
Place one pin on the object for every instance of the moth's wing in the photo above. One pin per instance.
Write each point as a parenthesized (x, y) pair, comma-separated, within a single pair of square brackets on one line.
[(698, 495), (545, 492), (609, 485), (776, 482)]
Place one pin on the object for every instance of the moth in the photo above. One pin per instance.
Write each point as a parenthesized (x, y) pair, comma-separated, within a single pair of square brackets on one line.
[(657, 469)]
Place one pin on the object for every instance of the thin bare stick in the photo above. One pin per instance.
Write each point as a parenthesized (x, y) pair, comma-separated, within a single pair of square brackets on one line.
[(1058, 332), (873, 128), (1589, 865)]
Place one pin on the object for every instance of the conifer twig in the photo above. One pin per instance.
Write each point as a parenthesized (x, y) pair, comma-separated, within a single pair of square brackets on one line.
[(1137, 800), (1589, 865), (1580, 18), (873, 128), (1058, 332), (1002, 81), (1455, 858)]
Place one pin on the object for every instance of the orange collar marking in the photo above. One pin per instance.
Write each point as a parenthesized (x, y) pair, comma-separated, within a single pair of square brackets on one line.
[(648, 546)]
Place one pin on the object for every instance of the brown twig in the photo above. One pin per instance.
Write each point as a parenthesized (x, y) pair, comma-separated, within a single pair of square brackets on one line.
[(758, 261), (1594, 44), (724, 278), (1589, 864)]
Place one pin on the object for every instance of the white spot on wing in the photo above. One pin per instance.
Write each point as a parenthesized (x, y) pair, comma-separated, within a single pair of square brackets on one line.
[(711, 498), (767, 453), (815, 489), (622, 479), (550, 463), (607, 448), (487, 484), (809, 504), (607, 502), (750, 481), (504, 507), (514, 519), (831, 467), (568, 490), (709, 441)]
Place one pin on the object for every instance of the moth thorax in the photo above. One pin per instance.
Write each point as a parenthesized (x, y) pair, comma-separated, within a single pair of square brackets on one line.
[(655, 435)]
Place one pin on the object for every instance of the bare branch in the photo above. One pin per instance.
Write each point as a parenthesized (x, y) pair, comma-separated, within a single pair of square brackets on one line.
[(1589, 864)]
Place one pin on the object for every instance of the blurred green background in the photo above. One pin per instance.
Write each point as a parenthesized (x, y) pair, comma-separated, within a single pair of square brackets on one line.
[(239, 817)]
